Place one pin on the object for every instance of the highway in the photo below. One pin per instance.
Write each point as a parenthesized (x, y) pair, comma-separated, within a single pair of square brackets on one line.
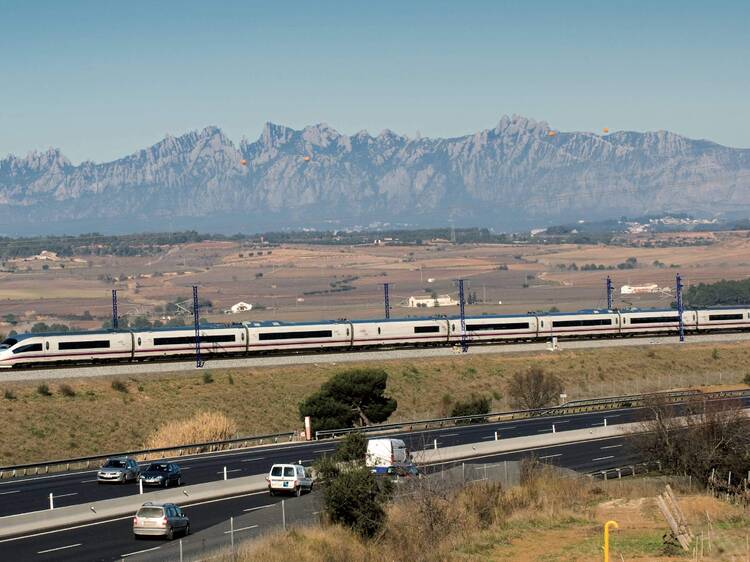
[(113, 540), (31, 493), (132, 369), (26, 494)]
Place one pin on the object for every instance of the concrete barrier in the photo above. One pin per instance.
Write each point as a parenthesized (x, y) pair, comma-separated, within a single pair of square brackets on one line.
[(492, 447), (82, 514)]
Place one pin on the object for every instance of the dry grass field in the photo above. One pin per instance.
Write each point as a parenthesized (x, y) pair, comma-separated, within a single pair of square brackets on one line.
[(549, 518), (291, 281), (99, 415)]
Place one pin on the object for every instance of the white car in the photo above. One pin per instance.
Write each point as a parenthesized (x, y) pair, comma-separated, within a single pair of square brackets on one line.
[(289, 478)]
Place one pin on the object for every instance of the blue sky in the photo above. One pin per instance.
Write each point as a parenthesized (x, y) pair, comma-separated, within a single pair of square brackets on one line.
[(102, 79)]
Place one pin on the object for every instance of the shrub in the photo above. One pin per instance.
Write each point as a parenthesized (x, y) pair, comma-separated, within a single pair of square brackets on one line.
[(119, 386), (208, 378), (230, 379), (43, 389), (474, 405), (67, 390), (352, 448), (533, 389), (200, 428), (714, 354), (9, 394), (746, 380)]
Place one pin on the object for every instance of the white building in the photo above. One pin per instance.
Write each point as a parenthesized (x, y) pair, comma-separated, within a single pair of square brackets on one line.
[(639, 289), (240, 307), (429, 302)]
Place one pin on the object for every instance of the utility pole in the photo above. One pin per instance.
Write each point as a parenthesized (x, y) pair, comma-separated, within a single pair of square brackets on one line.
[(386, 301), (114, 309), (197, 321), (462, 308), (680, 308), (609, 293)]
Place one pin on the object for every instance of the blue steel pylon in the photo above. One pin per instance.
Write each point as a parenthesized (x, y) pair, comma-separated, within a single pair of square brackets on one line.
[(196, 319)]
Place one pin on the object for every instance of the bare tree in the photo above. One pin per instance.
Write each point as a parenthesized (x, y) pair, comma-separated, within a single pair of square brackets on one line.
[(695, 438), (534, 388)]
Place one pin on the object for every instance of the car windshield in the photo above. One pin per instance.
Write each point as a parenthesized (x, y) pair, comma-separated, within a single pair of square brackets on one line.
[(115, 463), (8, 343), (150, 512), (158, 468)]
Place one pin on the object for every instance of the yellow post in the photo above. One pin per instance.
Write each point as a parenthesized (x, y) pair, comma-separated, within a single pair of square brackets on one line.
[(607, 526)]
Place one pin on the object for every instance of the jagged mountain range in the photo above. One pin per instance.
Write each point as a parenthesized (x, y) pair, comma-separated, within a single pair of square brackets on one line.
[(517, 174)]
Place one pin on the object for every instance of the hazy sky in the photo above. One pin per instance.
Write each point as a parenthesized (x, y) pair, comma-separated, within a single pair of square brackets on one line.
[(102, 79)]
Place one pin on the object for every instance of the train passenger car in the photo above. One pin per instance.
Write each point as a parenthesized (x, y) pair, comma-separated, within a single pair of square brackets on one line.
[(666, 320), (291, 336), (723, 319), (400, 331), (591, 323), (175, 341), (492, 328), (65, 347)]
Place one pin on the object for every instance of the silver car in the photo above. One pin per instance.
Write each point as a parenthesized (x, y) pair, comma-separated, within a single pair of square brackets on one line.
[(119, 469), (160, 519)]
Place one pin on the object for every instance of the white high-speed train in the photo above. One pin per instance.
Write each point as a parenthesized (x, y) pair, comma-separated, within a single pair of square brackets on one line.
[(253, 338)]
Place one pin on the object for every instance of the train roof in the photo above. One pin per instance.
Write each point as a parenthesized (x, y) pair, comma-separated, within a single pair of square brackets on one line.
[(280, 323)]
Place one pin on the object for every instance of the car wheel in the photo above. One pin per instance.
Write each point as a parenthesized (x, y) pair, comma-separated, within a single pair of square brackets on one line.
[(187, 529), (166, 482), (298, 491), (170, 534), (179, 481), (272, 492)]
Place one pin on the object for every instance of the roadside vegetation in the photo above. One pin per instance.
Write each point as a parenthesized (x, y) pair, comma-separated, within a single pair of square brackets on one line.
[(550, 516), (41, 421)]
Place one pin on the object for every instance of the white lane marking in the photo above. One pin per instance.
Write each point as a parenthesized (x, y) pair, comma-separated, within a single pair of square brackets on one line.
[(615, 416), (259, 507), (551, 456), (563, 421), (450, 434), (603, 458), (41, 534), (228, 471), (9, 492), (65, 495), (87, 481), (610, 447), (186, 468), (489, 437), (242, 529), (325, 450), (252, 460), (59, 548), (307, 460), (139, 552)]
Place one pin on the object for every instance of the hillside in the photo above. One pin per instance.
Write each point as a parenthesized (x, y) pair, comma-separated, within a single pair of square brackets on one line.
[(514, 175)]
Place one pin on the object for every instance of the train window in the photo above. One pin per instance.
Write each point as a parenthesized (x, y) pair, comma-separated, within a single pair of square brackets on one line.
[(46, 345), (378, 330), (453, 327), (139, 341), (28, 348), (295, 335), (717, 317), (242, 336), (574, 323), (654, 319), (347, 331), (177, 340), (504, 326), (88, 344), (426, 329), (542, 323), (8, 342)]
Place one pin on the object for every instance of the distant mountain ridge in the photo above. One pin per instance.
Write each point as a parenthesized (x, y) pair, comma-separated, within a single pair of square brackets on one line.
[(514, 175)]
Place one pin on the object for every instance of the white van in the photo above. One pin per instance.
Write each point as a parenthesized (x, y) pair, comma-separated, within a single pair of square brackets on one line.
[(289, 478), (383, 454)]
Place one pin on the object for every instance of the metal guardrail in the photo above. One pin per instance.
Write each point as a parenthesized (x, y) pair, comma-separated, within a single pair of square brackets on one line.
[(580, 406), (577, 407), (62, 465)]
